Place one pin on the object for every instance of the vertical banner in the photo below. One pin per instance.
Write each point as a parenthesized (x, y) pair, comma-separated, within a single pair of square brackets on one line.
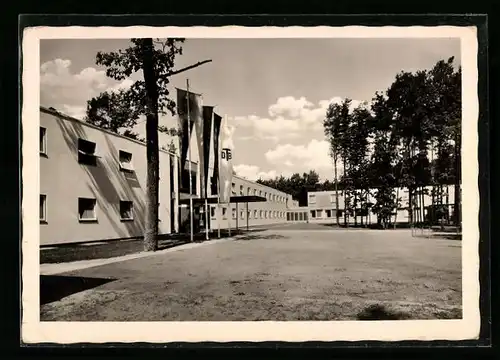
[(186, 123), (215, 177), (226, 164), (203, 132)]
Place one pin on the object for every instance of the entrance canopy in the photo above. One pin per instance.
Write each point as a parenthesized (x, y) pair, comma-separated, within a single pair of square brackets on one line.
[(233, 200)]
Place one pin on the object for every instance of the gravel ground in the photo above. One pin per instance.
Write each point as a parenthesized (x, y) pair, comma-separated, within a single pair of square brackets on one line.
[(287, 273)]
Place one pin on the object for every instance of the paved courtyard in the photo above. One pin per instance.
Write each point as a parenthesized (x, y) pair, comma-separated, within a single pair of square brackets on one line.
[(284, 273)]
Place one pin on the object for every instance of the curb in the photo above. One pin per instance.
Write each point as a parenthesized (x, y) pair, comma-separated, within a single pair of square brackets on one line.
[(52, 269)]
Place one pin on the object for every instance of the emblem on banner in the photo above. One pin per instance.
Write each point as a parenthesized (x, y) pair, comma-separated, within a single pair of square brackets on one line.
[(226, 154)]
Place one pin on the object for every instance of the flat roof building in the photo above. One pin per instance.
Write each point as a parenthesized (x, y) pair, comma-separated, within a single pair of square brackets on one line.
[(93, 187)]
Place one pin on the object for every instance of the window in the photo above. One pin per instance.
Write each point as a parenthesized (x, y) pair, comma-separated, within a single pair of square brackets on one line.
[(242, 214), (43, 140), (328, 213), (260, 213), (332, 198), (86, 152), (126, 208), (43, 208), (233, 191), (265, 214), (319, 213), (312, 199), (234, 213), (255, 191), (313, 213), (241, 190), (86, 209), (249, 191), (224, 211), (212, 211), (125, 161)]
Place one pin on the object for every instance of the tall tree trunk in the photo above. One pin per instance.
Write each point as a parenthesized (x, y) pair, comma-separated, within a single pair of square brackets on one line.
[(345, 192), (410, 186), (361, 200), (458, 175), (152, 181), (396, 207), (355, 206), (336, 188), (422, 205)]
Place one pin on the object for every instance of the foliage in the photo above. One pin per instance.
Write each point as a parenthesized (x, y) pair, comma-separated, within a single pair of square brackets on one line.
[(419, 113), (121, 110), (298, 185)]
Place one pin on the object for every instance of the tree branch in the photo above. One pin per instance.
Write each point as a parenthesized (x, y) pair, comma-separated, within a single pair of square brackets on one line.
[(171, 73)]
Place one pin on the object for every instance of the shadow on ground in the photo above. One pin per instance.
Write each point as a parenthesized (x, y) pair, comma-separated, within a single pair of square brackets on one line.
[(259, 237), (113, 248), (380, 312), (56, 287)]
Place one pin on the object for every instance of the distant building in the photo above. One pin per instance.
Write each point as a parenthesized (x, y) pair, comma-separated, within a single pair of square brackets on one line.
[(322, 206)]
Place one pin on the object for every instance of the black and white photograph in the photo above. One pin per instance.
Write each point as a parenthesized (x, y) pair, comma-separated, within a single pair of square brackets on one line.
[(250, 184)]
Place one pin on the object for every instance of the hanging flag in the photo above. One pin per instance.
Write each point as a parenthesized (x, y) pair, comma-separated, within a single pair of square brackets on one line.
[(226, 164), (186, 129), (208, 112), (202, 125), (215, 177)]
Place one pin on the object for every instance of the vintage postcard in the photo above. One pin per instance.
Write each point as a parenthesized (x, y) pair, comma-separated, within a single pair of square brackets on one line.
[(250, 184)]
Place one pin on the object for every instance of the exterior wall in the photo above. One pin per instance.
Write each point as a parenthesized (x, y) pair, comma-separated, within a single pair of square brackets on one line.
[(273, 211), (63, 180)]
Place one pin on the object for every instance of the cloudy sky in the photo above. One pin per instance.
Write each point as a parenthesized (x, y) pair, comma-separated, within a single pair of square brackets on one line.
[(273, 91)]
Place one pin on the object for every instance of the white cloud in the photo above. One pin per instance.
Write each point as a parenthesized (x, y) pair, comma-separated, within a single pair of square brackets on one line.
[(68, 92), (253, 172), (290, 107), (314, 154), (289, 117)]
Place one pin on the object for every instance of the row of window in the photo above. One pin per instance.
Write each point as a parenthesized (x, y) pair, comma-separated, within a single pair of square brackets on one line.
[(296, 216), (312, 198), (87, 209), (249, 191), (318, 213), (87, 152), (257, 214)]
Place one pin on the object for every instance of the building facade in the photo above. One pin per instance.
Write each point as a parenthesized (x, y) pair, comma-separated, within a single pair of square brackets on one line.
[(241, 215), (93, 187), (322, 206)]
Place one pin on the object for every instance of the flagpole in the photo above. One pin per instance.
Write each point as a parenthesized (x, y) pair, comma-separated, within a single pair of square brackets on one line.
[(190, 173), (205, 180), (219, 209), (229, 201)]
